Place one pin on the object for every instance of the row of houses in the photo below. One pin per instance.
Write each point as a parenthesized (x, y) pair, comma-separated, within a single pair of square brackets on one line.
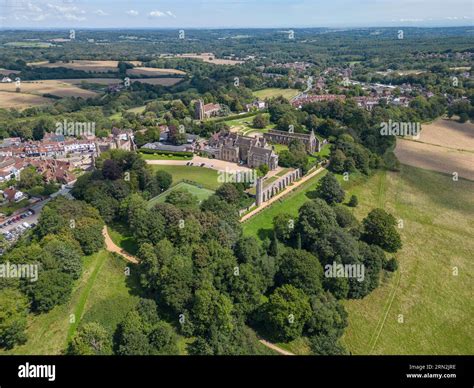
[(53, 170), (57, 146)]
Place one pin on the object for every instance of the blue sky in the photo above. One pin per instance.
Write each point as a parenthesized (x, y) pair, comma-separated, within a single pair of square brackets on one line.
[(234, 13)]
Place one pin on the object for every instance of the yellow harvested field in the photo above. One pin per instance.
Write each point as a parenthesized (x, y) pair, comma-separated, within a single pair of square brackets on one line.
[(21, 100), (445, 145), (207, 57), (7, 71), (55, 87), (85, 65), (100, 81), (151, 71)]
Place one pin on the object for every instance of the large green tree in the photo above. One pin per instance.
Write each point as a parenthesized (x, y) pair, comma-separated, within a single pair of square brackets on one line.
[(379, 229), (286, 313), (13, 318)]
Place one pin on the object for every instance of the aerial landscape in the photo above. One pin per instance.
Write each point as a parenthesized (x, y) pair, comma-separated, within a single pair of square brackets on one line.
[(177, 187)]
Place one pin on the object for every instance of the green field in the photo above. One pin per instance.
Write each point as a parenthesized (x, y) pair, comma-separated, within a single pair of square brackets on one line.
[(205, 177), (112, 295), (29, 44), (201, 193), (437, 307), (275, 92), (261, 224)]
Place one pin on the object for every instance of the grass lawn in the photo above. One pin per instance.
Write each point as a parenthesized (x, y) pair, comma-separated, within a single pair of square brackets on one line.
[(112, 295), (279, 147), (201, 193), (138, 109), (275, 92), (206, 177), (298, 346), (437, 235), (245, 125), (261, 224)]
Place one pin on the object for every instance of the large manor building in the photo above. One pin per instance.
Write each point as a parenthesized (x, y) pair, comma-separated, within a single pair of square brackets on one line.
[(236, 148)]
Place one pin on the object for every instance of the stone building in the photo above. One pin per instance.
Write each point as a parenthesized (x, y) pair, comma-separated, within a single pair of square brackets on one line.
[(205, 111), (310, 140), (265, 192), (233, 147)]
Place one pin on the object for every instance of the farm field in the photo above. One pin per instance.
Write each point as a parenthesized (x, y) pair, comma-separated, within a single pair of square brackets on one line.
[(21, 100), (275, 92), (7, 71), (151, 71), (85, 65), (29, 44), (201, 193), (437, 235), (207, 57), (54, 87), (205, 177), (99, 81), (444, 145)]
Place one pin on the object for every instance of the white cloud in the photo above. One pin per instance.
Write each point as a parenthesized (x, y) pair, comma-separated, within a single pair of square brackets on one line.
[(169, 13), (156, 14), (132, 12), (411, 20), (33, 8), (99, 12)]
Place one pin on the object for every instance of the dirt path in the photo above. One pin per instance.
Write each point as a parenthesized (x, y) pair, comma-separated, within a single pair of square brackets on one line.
[(276, 348), (281, 194), (111, 247)]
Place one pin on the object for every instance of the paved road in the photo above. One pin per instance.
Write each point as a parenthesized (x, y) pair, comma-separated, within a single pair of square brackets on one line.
[(37, 207)]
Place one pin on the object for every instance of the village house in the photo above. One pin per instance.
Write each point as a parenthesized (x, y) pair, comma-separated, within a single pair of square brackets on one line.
[(256, 105), (13, 195)]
